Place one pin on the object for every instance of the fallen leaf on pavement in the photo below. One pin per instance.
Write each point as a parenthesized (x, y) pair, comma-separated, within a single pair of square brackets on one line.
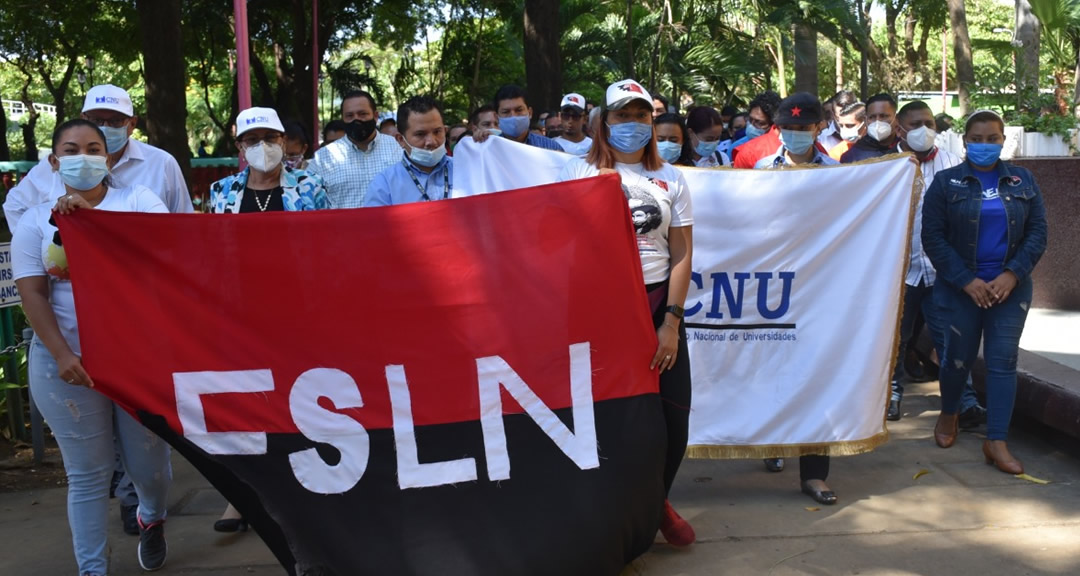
[(920, 474), (1032, 479)]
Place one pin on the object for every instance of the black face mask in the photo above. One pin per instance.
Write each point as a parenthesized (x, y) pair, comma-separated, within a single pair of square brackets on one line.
[(359, 130), (554, 133)]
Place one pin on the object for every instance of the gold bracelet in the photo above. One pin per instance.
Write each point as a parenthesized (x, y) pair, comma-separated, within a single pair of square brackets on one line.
[(672, 326)]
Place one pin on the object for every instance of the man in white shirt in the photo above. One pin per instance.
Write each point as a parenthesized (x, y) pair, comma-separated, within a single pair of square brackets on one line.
[(915, 129), (132, 162), (347, 166), (572, 113)]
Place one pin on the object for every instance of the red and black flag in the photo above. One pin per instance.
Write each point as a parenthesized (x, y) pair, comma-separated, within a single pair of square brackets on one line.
[(441, 388)]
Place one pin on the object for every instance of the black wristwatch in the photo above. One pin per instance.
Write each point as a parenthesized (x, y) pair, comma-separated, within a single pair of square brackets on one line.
[(676, 310)]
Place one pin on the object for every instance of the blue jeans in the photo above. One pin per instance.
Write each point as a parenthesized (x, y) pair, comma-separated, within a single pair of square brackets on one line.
[(916, 299), (83, 421), (998, 328)]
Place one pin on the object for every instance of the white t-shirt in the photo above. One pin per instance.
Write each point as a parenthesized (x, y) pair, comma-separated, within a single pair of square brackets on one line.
[(575, 148), (34, 254), (658, 200)]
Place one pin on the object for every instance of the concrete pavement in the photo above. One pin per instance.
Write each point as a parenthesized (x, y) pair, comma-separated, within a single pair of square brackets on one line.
[(961, 518)]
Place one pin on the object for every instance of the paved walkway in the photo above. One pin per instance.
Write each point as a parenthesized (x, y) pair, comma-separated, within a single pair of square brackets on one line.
[(961, 518), (1054, 335)]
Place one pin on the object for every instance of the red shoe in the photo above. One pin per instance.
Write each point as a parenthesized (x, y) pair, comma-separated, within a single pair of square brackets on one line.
[(676, 531)]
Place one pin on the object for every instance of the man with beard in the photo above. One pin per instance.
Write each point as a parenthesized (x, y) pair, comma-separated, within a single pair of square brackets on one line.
[(347, 166)]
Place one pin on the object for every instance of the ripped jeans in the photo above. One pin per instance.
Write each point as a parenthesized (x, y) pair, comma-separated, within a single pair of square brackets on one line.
[(998, 328), (83, 421)]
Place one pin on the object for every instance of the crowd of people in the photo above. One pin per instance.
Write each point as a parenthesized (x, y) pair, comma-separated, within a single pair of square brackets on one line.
[(980, 228)]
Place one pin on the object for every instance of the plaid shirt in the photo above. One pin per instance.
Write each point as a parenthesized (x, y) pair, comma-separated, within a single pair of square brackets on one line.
[(347, 171)]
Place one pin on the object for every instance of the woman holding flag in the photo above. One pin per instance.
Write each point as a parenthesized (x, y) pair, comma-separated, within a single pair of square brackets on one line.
[(660, 206)]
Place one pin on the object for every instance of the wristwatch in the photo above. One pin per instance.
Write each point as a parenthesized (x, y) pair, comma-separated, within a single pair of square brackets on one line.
[(676, 310)]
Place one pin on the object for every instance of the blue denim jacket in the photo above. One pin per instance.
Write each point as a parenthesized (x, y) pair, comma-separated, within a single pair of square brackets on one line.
[(951, 213)]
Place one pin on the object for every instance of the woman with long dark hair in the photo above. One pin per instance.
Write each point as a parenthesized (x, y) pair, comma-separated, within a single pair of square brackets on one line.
[(663, 218)]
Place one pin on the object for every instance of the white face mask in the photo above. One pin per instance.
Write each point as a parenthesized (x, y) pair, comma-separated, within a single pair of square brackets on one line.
[(879, 130), (851, 134), (264, 157), (921, 139), (427, 158)]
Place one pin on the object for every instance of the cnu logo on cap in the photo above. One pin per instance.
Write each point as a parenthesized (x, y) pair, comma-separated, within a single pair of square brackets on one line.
[(107, 100), (257, 120)]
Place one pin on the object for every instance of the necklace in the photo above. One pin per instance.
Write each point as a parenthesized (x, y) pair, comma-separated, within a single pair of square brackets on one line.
[(259, 203)]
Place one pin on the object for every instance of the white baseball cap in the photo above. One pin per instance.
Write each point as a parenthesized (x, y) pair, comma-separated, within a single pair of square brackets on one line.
[(257, 117), (624, 92), (108, 97), (573, 99)]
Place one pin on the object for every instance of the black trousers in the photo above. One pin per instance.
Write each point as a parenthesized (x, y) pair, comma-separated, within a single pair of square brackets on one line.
[(813, 468), (675, 395)]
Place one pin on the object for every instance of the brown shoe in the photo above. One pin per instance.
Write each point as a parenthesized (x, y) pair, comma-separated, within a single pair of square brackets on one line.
[(997, 454), (946, 429)]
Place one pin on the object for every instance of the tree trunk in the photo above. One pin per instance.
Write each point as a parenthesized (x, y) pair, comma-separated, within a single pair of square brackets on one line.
[(163, 73), (543, 62), (965, 72), (629, 38), (1027, 61), (892, 11), (29, 139), (5, 152), (806, 59), (474, 87), (911, 55), (1076, 78)]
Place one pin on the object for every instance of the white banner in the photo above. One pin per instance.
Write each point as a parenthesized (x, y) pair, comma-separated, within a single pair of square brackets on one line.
[(794, 304)]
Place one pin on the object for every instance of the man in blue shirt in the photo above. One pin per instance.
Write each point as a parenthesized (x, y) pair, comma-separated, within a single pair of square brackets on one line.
[(515, 117), (425, 172)]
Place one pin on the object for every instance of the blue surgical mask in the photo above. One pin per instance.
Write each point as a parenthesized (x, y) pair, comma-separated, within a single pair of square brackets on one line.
[(669, 151), (629, 137), (514, 126), (706, 149), (427, 158), (753, 131), (983, 154), (83, 171), (115, 138), (797, 141)]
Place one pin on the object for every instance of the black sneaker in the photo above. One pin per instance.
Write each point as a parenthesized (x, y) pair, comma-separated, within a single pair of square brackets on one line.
[(774, 464), (894, 411), (152, 546), (129, 519), (972, 417)]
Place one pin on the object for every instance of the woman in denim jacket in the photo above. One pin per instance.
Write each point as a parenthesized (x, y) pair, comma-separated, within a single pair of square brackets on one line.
[(266, 185), (984, 229)]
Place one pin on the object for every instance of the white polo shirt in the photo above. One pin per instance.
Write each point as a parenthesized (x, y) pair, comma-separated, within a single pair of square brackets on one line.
[(140, 165)]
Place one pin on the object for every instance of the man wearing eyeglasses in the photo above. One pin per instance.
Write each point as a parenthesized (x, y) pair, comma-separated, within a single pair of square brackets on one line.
[(131, 162), (572, 113)]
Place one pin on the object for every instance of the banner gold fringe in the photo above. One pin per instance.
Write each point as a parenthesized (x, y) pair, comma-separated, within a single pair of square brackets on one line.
[(849, 448)]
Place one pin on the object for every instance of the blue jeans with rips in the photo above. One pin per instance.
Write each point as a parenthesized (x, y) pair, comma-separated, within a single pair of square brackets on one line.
[(84, 421), (998, 328)]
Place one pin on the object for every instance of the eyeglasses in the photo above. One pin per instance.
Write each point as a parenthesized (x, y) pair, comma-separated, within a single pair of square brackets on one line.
[(253, 141), (760, 123), (569, 115), (114, 123)]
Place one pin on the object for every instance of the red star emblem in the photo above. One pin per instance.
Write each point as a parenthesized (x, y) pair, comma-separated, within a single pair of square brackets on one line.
[(631, 88), (796, 112)]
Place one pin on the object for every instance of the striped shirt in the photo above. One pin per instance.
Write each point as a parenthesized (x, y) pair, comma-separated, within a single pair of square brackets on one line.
[(919, 267), (347, 171)]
